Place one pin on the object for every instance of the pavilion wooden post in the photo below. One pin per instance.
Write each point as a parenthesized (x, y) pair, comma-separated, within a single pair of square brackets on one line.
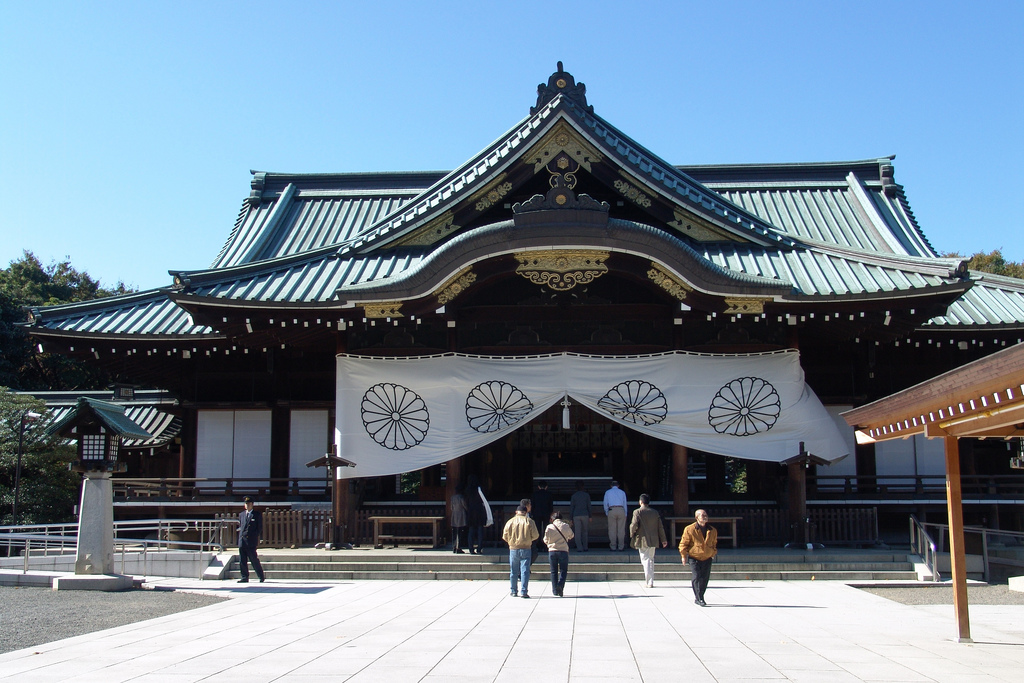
[(957, 555), (680, 481), (797, 504)]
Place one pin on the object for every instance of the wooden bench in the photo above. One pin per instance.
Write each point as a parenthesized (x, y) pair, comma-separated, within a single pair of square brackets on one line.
[(380, 521), (713, 521)]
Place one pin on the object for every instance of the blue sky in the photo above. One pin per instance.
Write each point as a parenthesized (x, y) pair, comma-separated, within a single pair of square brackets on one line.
[(127, 130)]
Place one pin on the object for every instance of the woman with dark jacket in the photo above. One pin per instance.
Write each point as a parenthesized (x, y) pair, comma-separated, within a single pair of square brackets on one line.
[(478, 514), (459, 510)]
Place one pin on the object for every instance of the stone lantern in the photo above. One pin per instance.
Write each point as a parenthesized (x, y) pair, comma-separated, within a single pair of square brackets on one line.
[(98, 427)]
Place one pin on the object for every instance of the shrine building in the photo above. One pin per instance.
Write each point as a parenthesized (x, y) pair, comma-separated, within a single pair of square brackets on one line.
[(564, 306)]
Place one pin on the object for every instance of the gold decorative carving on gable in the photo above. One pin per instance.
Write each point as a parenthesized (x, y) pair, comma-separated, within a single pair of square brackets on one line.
[(562, 269), (455, 285), (632, 193), (440, 227), (492, 194), (383, 309), (698, 229), (668, 282), (562, 138), (745, 305)]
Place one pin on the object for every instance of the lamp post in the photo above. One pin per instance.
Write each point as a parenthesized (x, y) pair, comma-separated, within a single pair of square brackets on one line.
[(27, 416)]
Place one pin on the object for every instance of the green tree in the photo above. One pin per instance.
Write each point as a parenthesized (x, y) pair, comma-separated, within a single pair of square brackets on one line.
[(48, 490), (992, 262), (25, 283)]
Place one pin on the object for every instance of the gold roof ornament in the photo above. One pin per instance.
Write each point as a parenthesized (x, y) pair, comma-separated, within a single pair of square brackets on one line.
[(383, 309), (455, 285), (670, 283), (562, 269)]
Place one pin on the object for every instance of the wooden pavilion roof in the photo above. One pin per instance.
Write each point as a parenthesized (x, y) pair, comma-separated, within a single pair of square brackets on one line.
[(981, 399)]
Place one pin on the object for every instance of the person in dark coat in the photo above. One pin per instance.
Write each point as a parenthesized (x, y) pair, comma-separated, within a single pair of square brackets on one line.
[(478, 515), (542, 505), (459, 521), (250, 528)]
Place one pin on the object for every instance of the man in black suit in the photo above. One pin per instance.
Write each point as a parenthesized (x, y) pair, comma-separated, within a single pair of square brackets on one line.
[(542, 507), (250, 528)]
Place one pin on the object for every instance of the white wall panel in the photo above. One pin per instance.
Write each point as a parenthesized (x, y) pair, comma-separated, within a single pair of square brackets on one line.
[(252, 444), (215, 443), (308, 441), (233, 443)]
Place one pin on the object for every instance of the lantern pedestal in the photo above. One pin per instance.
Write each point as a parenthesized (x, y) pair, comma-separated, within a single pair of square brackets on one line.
[(94, 563), (96, 525)]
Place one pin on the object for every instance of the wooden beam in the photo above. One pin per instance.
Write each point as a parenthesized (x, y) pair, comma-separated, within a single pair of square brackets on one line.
[(957, 555)]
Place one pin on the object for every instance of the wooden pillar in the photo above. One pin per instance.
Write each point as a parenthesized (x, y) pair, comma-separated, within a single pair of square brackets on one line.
[(340, 509), (796, 512), (343, 502), (280, 446), (957, 555), (680, 481)]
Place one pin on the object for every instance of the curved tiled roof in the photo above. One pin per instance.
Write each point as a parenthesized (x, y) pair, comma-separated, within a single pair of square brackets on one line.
[(828, 229), (993, 300), (149, 410), (311, 280), (825, 271), (309, 221), (148, 313)]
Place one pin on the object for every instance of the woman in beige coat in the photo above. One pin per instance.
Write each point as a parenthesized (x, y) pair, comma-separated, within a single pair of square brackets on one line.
[(556, 536)]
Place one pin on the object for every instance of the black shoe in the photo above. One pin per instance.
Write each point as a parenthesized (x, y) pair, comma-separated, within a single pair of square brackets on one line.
[(262, 579), (459, 551), (526, 596), (515, 594), (243, 580), (703, 604)]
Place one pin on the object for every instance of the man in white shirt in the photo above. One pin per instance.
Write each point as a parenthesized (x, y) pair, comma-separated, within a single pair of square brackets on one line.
[(615, 511)]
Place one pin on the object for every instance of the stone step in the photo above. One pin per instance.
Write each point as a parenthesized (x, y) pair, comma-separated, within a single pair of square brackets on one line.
[(666, 555), (595, 567), (598, 565), (588, 575)]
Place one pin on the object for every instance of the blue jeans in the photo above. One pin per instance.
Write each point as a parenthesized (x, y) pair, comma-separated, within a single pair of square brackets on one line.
[(519, 563), (559, 561)]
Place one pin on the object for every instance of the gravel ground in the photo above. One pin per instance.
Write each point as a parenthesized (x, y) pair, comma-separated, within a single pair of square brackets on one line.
[(991, 594), (33, 616)]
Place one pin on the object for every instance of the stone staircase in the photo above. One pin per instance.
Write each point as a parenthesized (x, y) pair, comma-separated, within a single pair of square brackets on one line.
[(597, 565)]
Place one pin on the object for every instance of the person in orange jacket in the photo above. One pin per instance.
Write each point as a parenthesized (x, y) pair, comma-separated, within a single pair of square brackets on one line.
[(698, 546)]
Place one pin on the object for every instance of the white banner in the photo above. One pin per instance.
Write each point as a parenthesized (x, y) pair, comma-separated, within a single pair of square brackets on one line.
[(402, 414)]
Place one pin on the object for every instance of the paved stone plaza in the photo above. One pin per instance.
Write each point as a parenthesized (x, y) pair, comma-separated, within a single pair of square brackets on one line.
[(393, 631)]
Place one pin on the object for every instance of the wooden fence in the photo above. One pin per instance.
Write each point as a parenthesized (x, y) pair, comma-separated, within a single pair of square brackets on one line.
[(281, 528), (829, 526), (758, 526)]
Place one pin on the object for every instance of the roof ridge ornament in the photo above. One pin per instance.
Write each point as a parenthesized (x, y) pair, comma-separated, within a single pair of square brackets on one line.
[(561, 83), (560, 197)]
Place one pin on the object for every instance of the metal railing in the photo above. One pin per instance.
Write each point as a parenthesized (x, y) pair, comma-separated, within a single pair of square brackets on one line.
[(37, 540), (910, 486), (195, 488), (989, 539), (922, 544)]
